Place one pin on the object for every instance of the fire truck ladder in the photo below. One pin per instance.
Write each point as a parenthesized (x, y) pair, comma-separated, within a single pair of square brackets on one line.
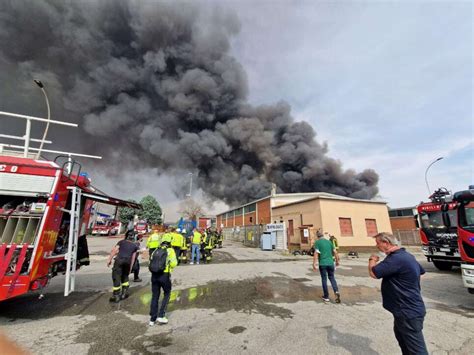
[(74, 226)]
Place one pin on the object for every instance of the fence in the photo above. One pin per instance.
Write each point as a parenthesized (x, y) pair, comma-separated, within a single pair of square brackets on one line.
[(408, 237), (248, 235)]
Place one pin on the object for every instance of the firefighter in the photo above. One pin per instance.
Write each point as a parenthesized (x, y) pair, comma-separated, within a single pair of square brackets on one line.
[(184, 247), (177, 242), (203, 244), (125, 253), (153, 242), (162, 280), (208, 246), (220, 238)]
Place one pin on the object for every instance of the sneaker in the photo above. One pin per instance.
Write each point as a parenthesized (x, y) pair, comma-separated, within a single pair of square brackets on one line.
[(338, 297), (162, 320), (151, 323), (137, 280), (325, 299), (191, 263), (197, 263)]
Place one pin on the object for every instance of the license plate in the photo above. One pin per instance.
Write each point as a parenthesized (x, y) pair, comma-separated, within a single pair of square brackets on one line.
[(445, 249)]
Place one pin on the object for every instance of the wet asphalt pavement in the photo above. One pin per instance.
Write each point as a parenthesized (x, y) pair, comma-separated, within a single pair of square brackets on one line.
[(245, 301)]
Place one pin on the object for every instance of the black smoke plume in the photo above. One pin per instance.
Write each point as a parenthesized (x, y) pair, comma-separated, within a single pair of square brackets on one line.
[(153, 85)]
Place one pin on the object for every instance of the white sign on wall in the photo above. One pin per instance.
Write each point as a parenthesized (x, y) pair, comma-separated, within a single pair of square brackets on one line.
[(275, 227), (306, 233)]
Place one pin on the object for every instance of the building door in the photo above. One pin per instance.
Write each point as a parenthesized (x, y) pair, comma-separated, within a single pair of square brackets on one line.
[(291, 231)]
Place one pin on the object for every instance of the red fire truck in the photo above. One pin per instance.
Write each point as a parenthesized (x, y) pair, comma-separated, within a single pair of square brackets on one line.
[(439, 242), (465, 227), (44, 210), (141, 228), (106, 227)]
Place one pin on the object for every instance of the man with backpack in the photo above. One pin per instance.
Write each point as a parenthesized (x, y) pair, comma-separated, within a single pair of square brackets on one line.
[(162, 262)]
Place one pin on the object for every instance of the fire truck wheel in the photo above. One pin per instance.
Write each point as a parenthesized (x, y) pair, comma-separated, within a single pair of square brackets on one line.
[(442, 265)]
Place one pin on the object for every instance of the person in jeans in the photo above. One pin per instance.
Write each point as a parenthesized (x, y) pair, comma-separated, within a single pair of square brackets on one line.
[(401, 292), (324, 253), (161, 281), (196, 239)]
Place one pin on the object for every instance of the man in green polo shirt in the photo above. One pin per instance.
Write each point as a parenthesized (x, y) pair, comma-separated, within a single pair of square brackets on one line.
[(324, 253)]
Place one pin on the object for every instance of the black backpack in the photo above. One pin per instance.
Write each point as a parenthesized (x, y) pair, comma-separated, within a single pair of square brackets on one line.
[(158, 260)]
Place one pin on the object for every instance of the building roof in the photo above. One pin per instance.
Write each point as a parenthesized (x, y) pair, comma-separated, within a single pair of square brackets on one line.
[(328, 196), (401, 208)]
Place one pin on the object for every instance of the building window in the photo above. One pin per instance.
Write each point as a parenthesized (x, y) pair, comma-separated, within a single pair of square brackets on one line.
[(371, 226), (238, 212), (251, 219), (345, 226), (250, 208)]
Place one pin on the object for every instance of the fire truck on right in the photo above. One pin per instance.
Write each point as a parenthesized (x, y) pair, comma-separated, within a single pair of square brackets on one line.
[(465, 229)]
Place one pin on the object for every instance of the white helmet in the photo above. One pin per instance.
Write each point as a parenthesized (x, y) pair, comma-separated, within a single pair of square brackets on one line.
[(184, 231), (178, 230)]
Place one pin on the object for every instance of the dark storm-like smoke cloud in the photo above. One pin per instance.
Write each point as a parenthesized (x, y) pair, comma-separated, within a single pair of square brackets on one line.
[(155, 81)]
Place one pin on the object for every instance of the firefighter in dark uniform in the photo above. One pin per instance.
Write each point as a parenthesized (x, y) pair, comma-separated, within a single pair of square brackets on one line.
[(125, 253)]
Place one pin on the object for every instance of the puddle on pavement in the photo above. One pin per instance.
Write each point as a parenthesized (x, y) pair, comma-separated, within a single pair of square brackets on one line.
[(349, 341), (236, 330), (258, 295)]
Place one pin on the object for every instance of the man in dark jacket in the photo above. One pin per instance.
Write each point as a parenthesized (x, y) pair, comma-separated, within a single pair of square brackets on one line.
[(125, 253), (401, 292)]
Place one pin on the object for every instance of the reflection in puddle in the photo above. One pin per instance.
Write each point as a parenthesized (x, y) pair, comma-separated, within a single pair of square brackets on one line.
[(259, 295)]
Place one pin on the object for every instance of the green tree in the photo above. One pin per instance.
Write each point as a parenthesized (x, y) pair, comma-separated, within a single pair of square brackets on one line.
[(126, 214), (151, 211)]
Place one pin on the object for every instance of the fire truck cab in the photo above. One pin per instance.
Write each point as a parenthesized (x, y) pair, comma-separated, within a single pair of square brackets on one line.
[(465, 227), (439, 240)]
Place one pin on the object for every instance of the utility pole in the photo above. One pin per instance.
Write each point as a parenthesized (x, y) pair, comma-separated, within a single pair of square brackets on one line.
[(190, 185)]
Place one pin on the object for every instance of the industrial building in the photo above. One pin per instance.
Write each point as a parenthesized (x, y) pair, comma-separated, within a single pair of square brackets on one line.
[(352, 221), (404, 227)]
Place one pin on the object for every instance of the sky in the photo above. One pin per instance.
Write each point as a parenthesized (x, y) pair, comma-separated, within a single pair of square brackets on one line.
[(388, 85)]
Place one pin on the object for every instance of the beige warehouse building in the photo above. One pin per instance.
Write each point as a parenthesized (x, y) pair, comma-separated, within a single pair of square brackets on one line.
[(352, 221)]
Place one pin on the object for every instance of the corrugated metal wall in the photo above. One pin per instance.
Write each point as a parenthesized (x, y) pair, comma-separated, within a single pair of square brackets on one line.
[(248, 235)]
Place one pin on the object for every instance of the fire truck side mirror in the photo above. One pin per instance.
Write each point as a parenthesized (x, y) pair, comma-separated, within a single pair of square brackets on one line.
[(446, 219), (417, 224)]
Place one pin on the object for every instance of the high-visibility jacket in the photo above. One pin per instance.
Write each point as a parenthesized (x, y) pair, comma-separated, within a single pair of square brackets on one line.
[(197, 237), (167, 237), (177, 240), (154, 241)]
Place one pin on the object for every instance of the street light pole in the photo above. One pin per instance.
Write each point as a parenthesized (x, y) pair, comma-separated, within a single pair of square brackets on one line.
[(426, 173), (190, 185), (41, 86)]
